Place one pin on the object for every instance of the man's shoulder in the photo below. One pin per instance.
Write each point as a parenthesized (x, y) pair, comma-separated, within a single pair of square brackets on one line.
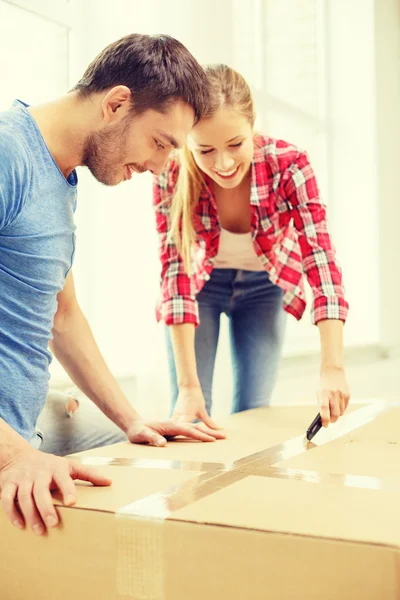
[(15, 170), (12, 137), (14, 154)]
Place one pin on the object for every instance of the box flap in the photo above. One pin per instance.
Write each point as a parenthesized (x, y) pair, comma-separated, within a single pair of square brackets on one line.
[(299, 508)]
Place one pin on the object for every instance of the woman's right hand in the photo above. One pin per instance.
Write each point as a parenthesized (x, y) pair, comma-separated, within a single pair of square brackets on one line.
[(191, 406)]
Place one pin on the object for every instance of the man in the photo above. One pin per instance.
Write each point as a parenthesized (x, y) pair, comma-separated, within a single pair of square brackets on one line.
[(135, 103)]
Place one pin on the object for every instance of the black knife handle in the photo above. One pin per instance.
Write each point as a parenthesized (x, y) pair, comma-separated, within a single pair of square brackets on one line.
[(314, 427)]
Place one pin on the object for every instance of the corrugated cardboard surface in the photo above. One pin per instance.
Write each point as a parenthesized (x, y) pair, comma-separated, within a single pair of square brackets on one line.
[(372, 450), (253, 536)]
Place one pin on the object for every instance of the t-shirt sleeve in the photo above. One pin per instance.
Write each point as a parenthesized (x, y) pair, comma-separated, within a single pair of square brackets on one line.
[(14, 178)]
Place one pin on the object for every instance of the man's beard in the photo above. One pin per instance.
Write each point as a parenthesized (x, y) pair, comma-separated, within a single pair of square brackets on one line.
[(104, 153)]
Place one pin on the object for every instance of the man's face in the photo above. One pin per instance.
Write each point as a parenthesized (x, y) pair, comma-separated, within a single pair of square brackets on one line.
[(137, 143)]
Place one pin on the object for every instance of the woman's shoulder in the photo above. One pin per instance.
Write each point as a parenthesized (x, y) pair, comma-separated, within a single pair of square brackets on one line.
[(277, 153)]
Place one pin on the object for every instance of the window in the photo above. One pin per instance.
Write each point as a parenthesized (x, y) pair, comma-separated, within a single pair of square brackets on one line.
[(310, 64)]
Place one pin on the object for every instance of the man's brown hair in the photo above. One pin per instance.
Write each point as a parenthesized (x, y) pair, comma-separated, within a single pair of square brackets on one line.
[(158, 69)]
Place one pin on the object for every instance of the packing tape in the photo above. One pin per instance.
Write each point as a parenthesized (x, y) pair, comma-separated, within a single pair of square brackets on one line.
[(147, 463), (163, 504), (141, 549), (140, 558), (364, 482)]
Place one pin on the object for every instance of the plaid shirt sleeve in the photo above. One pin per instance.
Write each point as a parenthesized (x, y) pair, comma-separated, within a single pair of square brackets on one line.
[(323, 273), (178, 296)]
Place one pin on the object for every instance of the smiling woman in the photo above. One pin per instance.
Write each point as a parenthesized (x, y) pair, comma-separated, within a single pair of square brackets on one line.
[(241, 226)]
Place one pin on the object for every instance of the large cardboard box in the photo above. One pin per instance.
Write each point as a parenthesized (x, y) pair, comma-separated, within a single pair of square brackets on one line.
[(258, 516)]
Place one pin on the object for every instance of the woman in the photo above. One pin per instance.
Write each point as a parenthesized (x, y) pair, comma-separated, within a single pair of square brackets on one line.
[(241, 223)]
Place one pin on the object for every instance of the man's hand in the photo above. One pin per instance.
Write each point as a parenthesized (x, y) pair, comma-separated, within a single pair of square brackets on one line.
[(191, 406), (333, 395), (29, 477), (156, 433)]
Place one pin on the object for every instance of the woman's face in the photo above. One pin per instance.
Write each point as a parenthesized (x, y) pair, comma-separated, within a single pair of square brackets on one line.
[(222, 147)]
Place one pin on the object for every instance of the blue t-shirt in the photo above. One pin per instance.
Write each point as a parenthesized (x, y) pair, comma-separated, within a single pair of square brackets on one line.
[(37, 243)]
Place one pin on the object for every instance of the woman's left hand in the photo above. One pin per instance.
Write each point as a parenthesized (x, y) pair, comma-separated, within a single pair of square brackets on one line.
[(333, 394)]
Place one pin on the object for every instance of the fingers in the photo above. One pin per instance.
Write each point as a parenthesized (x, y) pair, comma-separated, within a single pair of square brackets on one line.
[(8, 494), (207, 420), (217, 434), (155, 433), (346, 399), (324, 408), (147, 435), (201, 414), (190, 431), (342, 403), (29, 480), (28, 507), (78, 471), (335, 405), (65, 484), (44, 501)]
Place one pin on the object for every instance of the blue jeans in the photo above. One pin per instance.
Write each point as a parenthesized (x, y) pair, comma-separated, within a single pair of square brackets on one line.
[(256, 327), (87, 428)]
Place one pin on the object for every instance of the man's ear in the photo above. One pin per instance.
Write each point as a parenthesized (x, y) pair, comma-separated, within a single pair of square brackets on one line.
[(116, 103)]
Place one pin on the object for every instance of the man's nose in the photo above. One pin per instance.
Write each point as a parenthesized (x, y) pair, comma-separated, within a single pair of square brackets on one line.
[(156, 165)]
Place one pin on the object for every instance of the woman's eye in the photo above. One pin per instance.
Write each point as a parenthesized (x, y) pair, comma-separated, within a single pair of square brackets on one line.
[(236, 145), (160, 146), (205, 151)]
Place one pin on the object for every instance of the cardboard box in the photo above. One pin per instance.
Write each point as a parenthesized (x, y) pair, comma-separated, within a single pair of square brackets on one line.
[(258, 516)]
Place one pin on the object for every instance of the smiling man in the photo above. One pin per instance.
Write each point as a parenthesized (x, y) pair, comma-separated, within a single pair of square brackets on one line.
[(136, 101)]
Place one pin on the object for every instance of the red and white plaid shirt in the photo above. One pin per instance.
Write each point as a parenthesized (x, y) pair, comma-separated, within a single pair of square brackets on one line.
[(289, 232)]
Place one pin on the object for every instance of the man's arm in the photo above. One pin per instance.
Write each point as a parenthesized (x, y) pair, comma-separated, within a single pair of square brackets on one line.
[(27, 475), (74, 346)]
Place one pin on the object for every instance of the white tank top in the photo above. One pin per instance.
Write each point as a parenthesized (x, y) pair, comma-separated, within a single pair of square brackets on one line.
[(236, 251)]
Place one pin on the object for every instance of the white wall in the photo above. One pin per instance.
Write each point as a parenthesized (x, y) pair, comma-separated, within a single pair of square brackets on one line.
[(353, 156), (311, 67), (387, 93), (33, 57)]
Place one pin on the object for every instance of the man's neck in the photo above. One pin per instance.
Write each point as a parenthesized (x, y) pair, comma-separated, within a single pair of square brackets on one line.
[(64, 126)]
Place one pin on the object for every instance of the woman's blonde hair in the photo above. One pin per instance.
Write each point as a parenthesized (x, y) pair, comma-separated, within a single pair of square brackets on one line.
[(226, 88)]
